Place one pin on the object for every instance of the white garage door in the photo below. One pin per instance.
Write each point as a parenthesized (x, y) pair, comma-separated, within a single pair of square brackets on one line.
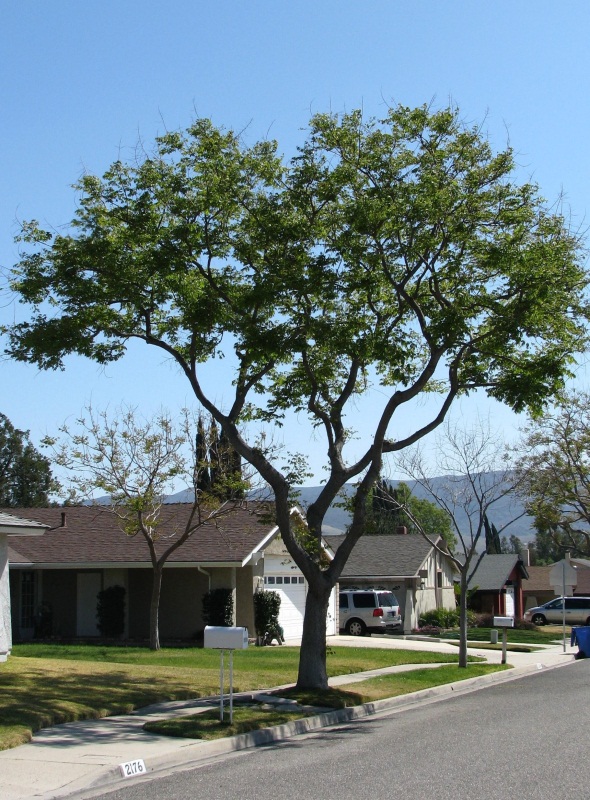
[(292, 589)]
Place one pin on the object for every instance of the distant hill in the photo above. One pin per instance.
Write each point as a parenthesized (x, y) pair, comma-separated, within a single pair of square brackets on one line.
[(337, 519)]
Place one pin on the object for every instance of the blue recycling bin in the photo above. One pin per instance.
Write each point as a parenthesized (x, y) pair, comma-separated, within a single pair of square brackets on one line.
[(581, 637)]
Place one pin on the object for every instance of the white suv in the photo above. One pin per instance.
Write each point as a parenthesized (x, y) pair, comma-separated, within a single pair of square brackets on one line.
[(365, 611)]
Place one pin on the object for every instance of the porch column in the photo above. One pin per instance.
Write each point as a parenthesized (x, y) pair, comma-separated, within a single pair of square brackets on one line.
[(234, 594), (409, 608), (5, 623)]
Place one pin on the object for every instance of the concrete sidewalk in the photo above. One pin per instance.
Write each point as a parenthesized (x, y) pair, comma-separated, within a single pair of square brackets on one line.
[(83, 758)]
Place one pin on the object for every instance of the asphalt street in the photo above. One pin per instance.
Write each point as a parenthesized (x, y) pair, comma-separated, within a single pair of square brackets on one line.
[(527, 739)]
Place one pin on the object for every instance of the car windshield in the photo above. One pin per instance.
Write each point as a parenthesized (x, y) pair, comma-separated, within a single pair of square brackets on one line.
[(387, 599), (554, 604)]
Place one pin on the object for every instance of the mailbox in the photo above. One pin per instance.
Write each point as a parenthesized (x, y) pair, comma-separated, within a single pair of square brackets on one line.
[(218, 637), (503, 622)]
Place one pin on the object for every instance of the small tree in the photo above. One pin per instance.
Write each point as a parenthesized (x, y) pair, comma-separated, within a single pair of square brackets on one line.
[(475, 477), (136, 463)]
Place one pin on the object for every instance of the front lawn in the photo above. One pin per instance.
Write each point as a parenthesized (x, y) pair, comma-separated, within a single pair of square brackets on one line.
[(546, 635), (207, 725), (41, 685)]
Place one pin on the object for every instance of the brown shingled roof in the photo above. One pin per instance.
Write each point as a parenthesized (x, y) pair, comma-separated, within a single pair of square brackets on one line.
[(92, 536)]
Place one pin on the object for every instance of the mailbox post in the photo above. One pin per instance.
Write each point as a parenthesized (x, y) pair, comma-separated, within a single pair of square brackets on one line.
[(222, 638), (504, 623)]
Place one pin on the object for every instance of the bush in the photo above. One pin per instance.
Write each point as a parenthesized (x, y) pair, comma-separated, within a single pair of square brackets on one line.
[(267, 605), (110, 611), (440, 618), (445, 618), (218, 607), (484, 621), (523, 625)]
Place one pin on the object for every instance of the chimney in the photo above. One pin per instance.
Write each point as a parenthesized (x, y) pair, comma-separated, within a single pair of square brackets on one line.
[(64, 524), (401, 530)]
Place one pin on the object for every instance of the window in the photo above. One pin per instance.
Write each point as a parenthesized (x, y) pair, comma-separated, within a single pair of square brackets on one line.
[(343, 601), (279, 579), (364, 600), (301, 579), (287, 579), (270, 579)]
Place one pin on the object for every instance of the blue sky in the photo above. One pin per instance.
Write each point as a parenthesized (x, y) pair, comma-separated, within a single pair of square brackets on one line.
[(80, 83)]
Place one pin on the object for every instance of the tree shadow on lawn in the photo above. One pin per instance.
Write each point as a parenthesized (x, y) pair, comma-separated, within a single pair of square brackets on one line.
[(36, 700)]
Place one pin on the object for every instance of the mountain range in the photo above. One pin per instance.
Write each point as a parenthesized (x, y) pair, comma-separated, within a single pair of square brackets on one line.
[(507, 513)]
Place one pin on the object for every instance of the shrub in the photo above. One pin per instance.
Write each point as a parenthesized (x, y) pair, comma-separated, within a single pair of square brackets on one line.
[(267, 605), (445, 618), (440, 618), (523, 625), (218, 607), (110, 611), (484, 621)]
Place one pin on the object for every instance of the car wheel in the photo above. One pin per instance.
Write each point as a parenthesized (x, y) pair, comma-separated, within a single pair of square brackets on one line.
[(538, 619), (356, 627)]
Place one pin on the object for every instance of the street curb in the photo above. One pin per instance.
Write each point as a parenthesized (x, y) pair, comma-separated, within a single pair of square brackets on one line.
[(197, 752)]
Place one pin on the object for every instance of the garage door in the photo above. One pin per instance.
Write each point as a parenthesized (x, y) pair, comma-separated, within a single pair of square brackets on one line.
[(292, 591)]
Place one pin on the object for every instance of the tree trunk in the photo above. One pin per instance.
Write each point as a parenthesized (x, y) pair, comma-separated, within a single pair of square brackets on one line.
[(312, 658), (463, 621), (155, 607)]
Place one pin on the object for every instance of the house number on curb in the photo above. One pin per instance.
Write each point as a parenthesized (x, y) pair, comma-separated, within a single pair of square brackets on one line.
[(131, 768)]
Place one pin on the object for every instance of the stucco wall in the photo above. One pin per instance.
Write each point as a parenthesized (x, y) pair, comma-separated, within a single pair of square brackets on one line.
[(5, 624)]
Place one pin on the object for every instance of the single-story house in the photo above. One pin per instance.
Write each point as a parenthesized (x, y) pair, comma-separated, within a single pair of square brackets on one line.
[(420, 576), (498, 584), (538, 589), (55, 579), (10, 526)]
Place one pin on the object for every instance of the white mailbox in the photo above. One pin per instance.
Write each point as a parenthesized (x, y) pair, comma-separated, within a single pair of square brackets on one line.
[(503, 622), (218, 637)]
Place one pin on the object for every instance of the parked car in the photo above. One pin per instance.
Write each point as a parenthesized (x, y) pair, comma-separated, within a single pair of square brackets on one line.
[(577, 612), (365, 611)]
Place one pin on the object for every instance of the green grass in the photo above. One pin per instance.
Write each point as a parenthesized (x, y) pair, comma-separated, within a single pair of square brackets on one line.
[(514, 635), (41, 685), (207, 725)]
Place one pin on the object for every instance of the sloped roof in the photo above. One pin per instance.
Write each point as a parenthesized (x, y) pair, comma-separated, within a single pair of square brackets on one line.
[(17, 526), (494, 570), (385, 556), (92, 536)]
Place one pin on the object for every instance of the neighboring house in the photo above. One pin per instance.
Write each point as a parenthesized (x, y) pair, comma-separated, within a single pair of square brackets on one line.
[(538, 589), (10, 526), (84, 551), (420, 576), (498, 585)]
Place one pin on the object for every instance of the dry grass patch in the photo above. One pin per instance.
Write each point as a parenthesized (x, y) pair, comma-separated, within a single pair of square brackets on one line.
[(36, 693)]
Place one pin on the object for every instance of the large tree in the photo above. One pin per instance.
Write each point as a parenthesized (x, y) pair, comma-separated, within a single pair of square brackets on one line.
[(399, 253), (387, 513), (25, 474), (554, 473)]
